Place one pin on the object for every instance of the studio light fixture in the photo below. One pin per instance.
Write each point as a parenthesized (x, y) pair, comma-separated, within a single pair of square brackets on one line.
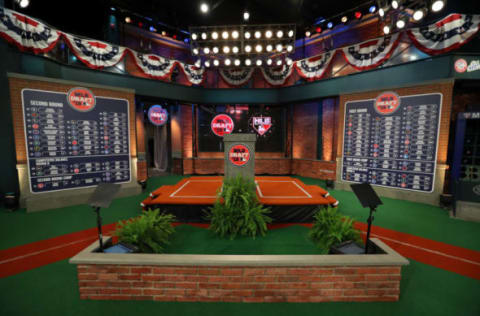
[(258, 48), (206, 50), (381, 12), (204, 36), (258, 34), (358, 15), (227, 62), (235, 49), (204, 7), (248, 62), (289, 61), (386, 29), (395, 4), (248, 48), (23, 3), (198, 63), (268, 34), (437, 5), (226, 49), (247, 35), (214, 35), (195, 51), (246, 16), (329, 25), (372, 9), (279, 62), (307, 34), (235, 34), (291, 33), (401, 23), (207, 63), (225, 35), (279, 47), (419, 14), (237, 62), (128, 19), (269, 61), (280, 34), (269, 48), (289, 48), (259, 62), (215, 50), (216, 62), (344, 19)]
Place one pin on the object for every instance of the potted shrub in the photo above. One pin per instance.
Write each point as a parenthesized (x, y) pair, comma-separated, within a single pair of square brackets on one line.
[(237, 210)]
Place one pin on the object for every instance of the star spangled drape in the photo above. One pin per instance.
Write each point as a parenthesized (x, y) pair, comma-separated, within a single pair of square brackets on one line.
[(154, 66), (195, 75), (314, 68), (236, 76), (277, 76)]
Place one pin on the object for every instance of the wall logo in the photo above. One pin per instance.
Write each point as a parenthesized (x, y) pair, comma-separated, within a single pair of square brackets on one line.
[(261, 124), (476, 189), (460, 65), (157, 115), (81, 99), (387, 103), (222, 124), (239, 155)]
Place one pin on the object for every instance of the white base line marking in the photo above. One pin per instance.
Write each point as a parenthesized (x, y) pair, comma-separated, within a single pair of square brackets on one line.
[(193, 196), (46, 250), (307, 196)]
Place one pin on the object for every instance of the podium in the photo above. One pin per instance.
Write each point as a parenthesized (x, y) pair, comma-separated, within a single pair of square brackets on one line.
[(239, 155)]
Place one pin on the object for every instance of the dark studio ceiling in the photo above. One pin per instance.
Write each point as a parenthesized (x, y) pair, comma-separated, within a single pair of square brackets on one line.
[(89, 17)]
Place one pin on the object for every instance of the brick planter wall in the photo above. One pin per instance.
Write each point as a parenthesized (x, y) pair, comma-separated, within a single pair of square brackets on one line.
[(239, 284)]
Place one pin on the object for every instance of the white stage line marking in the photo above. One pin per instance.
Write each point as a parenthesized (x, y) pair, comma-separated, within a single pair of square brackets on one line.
[(194, 196), (307, 195)]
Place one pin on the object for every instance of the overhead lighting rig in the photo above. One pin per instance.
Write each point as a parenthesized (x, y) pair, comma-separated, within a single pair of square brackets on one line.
[(248, 45)]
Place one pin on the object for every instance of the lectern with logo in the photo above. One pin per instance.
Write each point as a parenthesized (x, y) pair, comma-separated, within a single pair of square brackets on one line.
[(240, 155)]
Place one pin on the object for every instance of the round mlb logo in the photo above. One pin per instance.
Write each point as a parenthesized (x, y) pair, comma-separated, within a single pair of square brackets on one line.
[(387, 103), (239, 155), (222, 124), (461, 65), (81, 99), (157, 115)]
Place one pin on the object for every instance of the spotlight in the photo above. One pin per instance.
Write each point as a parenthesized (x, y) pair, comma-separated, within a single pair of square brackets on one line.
[(198, 63), (329, 25), (206, 50), (258, 48), (140, 24), (128, 19), (235, 34), (344, 19), (279, 62), (437, 5), (207, 63), (215, 50), (258, 34), (269, 61), (227, 62), (289, 48), (165, 34), (204, 36), (247, 35), (318, 29), (248, 62), (372, 9), (381, 12), (307, 34), (235, 49), (268, 34), (259, 62), (419, 14), (225, 35), (246, 16), (358, 15), (248, 48), (386, 29), (400, 23), (152, 29), (280, 34), (24, 3), (289, 61), (194, 36), (269, 48), (237, 62), (395, 4), (214, 35), (290, 33), (226, 49), (216, 62), (279, 47), (204, 7), (195, 51)]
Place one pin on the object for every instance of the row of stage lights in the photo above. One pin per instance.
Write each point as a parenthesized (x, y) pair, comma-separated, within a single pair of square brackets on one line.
[(235, 35), (247, 49), (247, 62)]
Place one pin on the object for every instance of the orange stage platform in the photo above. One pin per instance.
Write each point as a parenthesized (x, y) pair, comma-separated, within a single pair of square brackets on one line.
[(287, 194)]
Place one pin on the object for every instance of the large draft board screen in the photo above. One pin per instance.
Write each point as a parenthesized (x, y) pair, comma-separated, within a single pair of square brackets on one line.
[(391, 141), (73, 146)]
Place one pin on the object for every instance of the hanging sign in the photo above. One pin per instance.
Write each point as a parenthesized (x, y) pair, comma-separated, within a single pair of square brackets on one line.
[(222, 124), (81, 99), (157, 115), (460, 65), (239, 155), (261, 124), (387, 103)]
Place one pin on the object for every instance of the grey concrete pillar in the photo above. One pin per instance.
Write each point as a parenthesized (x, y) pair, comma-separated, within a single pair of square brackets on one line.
[(240, 155)]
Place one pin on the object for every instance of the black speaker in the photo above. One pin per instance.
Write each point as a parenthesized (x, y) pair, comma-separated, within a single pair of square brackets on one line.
[(11, 201)]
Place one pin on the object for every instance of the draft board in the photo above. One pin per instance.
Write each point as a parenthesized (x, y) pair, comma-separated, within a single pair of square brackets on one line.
[(396, 150), (68, 149)]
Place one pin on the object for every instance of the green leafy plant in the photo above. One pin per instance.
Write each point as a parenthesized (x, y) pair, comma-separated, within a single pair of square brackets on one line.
[(149, 232), (237, 210), (331, 227)]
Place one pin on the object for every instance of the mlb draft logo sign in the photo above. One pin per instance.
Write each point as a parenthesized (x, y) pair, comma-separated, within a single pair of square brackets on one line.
[(222, 124), (81, 99), (239, 155), (261, 124), (157, 115), (387, 103), (460, 65)]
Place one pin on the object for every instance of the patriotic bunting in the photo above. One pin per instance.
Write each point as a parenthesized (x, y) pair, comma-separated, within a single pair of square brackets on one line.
[(314, 68), (372, 53), (194, 74), (447, 34), (95, 54), (154, 66), (236, 76), (277, 76), (27, 33)]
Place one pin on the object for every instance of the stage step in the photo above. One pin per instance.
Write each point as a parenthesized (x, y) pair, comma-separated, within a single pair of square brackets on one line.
[(469, 211)]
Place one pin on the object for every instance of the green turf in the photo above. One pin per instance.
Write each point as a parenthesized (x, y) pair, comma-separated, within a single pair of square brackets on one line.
[(52, 290), (290, 240)]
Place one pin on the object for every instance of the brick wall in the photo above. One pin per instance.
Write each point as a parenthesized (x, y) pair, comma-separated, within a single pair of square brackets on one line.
[(216, 166), (314, 168), (239, 284), (305, 125)]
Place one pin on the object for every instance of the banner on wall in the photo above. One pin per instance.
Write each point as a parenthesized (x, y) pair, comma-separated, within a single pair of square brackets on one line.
[(236, 76), (314, 68), (27, 33), (157, 115), (371, 53), (445, 35), (277, 76), (261, 124), (194, 74), (222, 124), (154, 66)]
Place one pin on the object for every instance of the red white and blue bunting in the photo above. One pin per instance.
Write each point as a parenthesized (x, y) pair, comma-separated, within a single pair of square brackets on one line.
[(372, 53), (194, 74), (95, 54), (314, 68), (277, 76), (236, 76), (154, 66), (447, 34), (27, 33)]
